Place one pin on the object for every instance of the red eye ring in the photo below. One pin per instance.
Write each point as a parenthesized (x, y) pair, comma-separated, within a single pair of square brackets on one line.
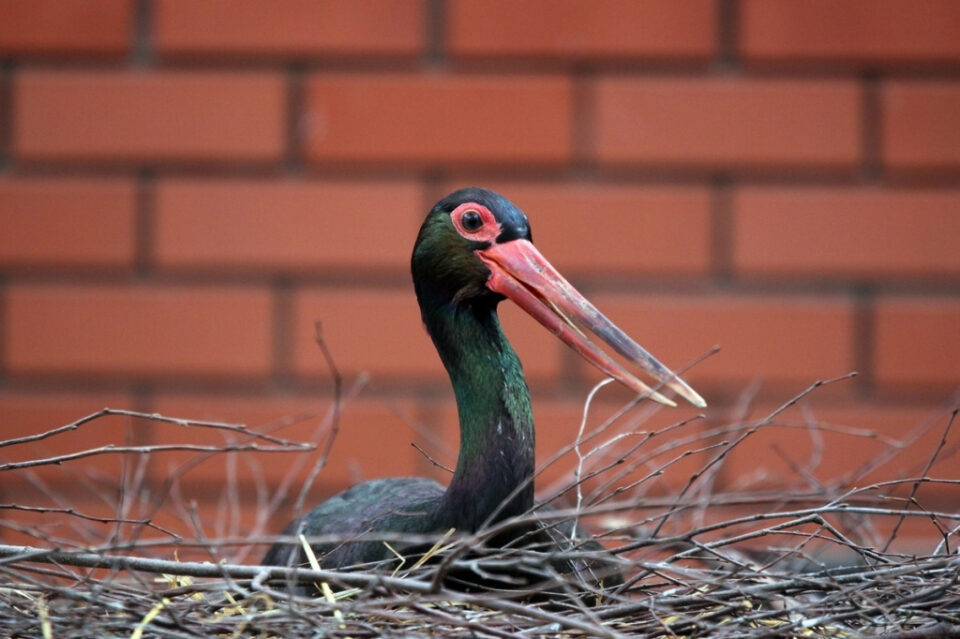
[(475, 222)]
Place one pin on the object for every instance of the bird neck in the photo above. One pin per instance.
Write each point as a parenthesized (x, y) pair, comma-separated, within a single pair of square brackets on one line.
[(494, 475)]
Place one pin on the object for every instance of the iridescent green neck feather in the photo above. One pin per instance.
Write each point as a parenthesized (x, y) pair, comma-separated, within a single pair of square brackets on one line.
[(496, 422), (493, 402)]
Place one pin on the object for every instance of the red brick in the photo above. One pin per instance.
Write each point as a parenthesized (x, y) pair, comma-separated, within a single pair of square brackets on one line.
[(53, 27), (539, 351), (920, 128), (190, 116), (32, 413), (831, 444), (727, 123), (783, 341), (438, 119), (854, 31), (142, 331), (352, 457), (67, 222), (262, 27), (373, 330), (286, 225), (837, 232), (571, 29), (596, 229), (380, 331), (917, 343)]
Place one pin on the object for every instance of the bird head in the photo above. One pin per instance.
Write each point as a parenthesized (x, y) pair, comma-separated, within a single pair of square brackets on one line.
[(475, 249)]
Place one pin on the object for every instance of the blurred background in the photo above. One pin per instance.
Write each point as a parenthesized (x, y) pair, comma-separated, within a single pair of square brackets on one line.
[(185, 188)]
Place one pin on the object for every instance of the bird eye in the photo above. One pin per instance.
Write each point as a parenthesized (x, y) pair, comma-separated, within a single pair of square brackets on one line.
[(471, 221)]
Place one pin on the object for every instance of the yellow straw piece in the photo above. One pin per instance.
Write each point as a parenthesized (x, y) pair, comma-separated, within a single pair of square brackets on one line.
[(147, 618)]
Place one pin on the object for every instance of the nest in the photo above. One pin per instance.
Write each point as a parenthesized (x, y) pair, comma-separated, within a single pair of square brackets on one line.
[(822, 560)]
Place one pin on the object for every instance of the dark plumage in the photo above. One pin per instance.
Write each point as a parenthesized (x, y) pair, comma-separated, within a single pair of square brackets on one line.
[(473, 249)]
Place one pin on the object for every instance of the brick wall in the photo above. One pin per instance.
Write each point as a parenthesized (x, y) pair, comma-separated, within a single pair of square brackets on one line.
[(185, 187)]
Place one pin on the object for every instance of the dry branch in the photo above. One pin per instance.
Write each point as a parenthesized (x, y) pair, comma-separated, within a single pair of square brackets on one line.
[(698, 563)]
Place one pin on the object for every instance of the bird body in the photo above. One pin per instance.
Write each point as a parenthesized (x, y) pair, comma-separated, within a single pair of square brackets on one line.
[(473, 250), (405, 505)]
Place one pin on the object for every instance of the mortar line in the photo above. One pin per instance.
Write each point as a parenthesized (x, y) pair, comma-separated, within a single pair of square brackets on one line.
[(864, 339), (583, 133), (282, 294), (4, 317), (297, 126), (7, 71), (434, 33), (144, 223), (721, 229), (871, 138), (141, 51), (728, 55)]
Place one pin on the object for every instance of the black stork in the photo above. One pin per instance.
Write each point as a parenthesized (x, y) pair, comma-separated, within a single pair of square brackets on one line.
[(473, 250)]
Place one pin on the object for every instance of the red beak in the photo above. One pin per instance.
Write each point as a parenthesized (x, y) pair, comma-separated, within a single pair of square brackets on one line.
[(519, 272)]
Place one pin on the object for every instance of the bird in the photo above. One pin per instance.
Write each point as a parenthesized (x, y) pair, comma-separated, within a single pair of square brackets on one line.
[(474, 250)]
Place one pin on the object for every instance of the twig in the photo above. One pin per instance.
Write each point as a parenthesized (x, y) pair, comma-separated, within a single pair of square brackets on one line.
[(923, 475), (103, 520), (431, 459), (111, 449)]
